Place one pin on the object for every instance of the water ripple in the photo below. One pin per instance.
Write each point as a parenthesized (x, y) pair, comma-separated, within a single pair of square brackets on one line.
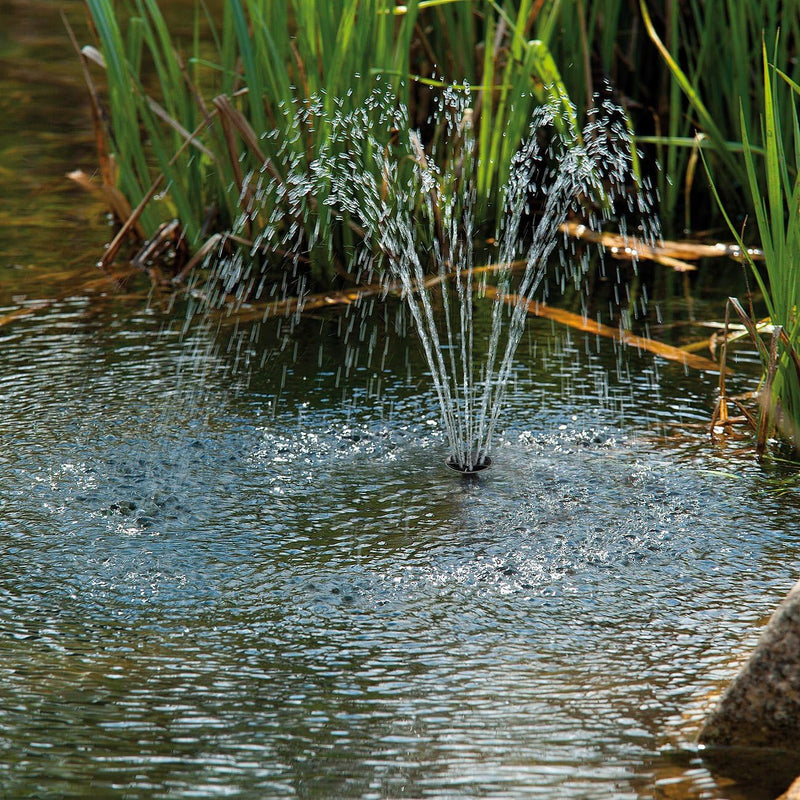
[(201, 599)]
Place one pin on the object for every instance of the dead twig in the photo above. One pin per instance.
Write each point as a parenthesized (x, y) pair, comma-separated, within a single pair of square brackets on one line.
[(668, 253), (133, 219), (719, 415), (25, 311), (202, 252), (114, 199), (767, 416), (169, 236), (582, 323)]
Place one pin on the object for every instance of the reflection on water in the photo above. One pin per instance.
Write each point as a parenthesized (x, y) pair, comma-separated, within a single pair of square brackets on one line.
[(46, 132), (207, 593)]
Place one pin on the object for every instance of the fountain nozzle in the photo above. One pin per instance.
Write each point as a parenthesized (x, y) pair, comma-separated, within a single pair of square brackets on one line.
[(472, 466)]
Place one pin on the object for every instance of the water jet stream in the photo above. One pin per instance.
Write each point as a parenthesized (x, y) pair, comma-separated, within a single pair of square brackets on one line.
[(416, 210)]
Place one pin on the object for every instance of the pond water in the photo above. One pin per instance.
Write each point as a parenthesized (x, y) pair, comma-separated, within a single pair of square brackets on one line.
[(235, 564)]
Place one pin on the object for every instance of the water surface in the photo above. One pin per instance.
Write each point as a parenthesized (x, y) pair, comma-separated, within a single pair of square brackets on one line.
[(210, 591)]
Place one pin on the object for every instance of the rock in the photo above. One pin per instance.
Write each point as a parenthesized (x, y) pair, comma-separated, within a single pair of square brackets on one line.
[(793, 792), (761, 707)]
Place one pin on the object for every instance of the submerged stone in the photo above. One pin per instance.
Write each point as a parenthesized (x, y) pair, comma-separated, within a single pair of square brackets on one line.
[(761, 707)]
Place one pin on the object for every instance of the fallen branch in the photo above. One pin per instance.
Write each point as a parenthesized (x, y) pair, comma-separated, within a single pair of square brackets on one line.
[(310, 302), (668, 253), (582, 323), (25, 311), (314, 302)]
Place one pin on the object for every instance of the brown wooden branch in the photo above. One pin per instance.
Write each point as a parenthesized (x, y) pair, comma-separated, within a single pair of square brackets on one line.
[(587, 325), (669, 253)]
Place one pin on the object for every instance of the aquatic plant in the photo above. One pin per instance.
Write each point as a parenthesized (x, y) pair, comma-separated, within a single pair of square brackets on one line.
[(192, 125), (712, 49), (188, 124), (773, 180)]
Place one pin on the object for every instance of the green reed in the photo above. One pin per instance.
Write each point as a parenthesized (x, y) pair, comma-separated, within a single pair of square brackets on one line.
[(201, 116), (196, 117), (773, 182), (712, 49)]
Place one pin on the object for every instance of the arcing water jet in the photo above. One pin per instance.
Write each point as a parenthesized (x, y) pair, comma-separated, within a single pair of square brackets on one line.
[(415, 220)]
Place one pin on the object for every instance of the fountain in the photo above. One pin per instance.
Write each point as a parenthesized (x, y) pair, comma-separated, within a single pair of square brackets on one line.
[(202, 597), (417, 217)]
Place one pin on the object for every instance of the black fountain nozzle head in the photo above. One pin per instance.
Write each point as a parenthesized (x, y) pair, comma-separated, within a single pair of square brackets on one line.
[(472, 466)]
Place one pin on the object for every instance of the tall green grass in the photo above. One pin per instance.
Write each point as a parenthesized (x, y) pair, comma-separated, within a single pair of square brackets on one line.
[(195, 116), (773, 182), (225, 91), (712, 51), (681, 68)]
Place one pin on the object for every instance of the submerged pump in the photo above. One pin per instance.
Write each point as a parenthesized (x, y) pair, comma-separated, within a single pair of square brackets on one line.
[(472, 466)]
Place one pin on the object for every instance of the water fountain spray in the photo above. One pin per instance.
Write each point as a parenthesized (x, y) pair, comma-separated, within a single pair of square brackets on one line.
[(415, 217)]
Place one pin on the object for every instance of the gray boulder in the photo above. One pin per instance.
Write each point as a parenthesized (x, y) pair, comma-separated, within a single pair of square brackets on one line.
[(761, 707), (793, 792)]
